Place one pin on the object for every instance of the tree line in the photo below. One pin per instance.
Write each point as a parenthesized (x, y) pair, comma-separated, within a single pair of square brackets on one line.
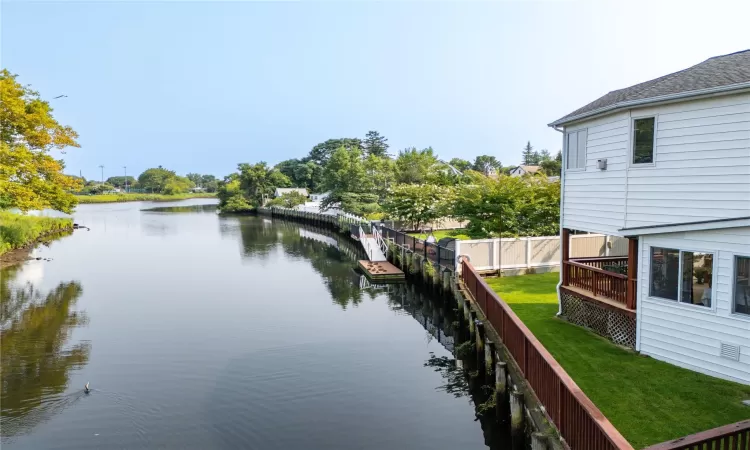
[(361, 177), (157, 180)]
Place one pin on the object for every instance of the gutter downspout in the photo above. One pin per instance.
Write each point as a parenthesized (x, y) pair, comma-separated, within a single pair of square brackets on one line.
[(562, 198)]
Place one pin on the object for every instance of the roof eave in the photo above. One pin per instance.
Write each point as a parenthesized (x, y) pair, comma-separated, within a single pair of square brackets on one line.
[(650, 100), (703, 225)]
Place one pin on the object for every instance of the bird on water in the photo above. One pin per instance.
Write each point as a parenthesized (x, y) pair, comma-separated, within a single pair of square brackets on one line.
[(86, 388)]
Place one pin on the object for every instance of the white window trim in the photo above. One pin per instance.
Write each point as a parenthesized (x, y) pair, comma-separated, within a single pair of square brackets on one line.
[(691, 306), (567, 150), (733, 292), (631, 139)]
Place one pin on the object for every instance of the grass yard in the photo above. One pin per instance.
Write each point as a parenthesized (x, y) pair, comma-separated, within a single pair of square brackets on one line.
[(648, 401), (439, 234)]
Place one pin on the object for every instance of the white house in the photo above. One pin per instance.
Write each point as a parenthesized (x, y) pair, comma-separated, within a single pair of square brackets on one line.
[(319, 197), (665, 163), (524, 170), (281, 191)]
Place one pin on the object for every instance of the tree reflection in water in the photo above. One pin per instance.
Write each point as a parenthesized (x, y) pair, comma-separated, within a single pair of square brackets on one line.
[(36, 364), (334, 263)]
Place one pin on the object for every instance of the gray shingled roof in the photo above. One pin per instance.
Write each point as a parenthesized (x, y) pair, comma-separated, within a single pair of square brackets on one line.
[(725, 70)]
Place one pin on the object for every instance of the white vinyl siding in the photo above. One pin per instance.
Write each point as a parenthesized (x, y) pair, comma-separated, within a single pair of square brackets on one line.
[(594, 200), (691, 336), (702, 164), (701, 169)]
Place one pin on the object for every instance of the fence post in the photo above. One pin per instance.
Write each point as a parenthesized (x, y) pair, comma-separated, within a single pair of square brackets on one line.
[(528, 253), (516, 420)]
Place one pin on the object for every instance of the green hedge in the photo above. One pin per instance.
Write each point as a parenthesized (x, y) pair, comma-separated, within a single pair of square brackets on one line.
[(17, 230)]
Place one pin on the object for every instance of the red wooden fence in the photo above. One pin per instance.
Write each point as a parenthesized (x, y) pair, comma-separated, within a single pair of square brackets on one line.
[(579, 421), (729, 437)]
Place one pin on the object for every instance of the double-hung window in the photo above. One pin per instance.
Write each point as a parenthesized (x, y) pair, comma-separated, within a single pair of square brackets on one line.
[(643, 140), (576, 145), (682, 276), (741, 285)]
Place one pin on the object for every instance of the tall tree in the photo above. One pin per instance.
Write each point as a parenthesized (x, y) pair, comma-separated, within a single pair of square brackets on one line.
[(415, 166), (375, 144), (486, 164), (323, 151), (196, 178), (528, 157), (120, 181), (209, 182), (461, 165), (155, 179), (30, 178), (260, 180), (544, 155)]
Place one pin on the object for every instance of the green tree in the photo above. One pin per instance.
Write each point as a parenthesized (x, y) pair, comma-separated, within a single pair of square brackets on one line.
[(209, 183), (415, 166), (259, 180), (29, 177), (119, 182), (375, 144), (177, 185), (196, 178), (323, 151), (485, 164), (544, 155), (529, 157), (509, 206), (418, 204), (288, 200), (345, 171), (155, 179), (461, 165), (380, 175)]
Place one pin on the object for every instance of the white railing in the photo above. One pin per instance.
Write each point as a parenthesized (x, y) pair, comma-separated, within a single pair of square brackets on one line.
[(379, 239), (365, 243)]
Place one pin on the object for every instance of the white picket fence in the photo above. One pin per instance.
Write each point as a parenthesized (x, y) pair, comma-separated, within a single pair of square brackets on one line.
[(536, 252)]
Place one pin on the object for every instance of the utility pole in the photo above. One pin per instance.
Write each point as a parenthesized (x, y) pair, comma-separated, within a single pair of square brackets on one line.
[(126, 178), (102, 167)]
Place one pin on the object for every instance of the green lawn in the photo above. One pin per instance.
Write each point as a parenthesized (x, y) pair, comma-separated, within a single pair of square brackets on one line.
[(439, 234), (137, 197), (647, 400)]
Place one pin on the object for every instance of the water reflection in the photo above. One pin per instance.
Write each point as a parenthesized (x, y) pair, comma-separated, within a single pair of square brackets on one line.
[(36, 363), (332, 256), (183, 209)]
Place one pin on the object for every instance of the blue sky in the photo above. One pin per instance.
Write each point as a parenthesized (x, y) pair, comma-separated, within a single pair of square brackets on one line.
[(202, 86)]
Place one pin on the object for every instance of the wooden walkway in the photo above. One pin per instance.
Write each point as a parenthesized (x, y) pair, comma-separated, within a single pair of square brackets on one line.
[(381, 270)]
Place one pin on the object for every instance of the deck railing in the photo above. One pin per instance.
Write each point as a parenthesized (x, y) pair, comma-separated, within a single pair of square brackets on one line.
[(601, 262), (599, 282), (578, 420), (735, 436)]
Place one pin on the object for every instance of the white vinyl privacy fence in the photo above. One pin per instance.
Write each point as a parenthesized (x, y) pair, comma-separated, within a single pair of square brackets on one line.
[(535, 252)]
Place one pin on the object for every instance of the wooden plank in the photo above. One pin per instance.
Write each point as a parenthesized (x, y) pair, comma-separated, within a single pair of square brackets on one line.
[(381, 270)]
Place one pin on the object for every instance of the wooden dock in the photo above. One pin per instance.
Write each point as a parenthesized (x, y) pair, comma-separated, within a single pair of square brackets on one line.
[(381, 270)]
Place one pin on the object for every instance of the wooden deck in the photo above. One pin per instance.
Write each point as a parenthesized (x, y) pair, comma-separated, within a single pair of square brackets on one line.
[(381, 270)]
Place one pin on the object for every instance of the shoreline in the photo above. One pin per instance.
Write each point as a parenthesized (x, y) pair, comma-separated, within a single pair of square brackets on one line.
[(21, 254), (124, 198)]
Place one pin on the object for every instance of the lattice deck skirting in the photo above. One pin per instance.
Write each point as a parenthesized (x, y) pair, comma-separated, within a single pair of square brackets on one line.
[(616, 326)]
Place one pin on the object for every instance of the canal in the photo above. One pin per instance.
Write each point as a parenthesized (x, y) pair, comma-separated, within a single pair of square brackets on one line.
[(197, 332)]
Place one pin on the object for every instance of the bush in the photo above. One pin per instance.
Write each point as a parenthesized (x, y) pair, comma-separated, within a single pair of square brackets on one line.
[(18, 230)]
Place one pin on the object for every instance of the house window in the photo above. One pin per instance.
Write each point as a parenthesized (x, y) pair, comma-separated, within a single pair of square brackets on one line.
[(682, 276), (742, 285), (576, 150), (643, 140)]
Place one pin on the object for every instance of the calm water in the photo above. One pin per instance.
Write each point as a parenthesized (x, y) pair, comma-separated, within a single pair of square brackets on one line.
[(201, 332)]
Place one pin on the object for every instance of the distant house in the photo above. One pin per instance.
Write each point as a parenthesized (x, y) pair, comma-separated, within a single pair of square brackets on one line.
[(524, 170), (197, 189), (666, 164), (319, 197), (281, 191)]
